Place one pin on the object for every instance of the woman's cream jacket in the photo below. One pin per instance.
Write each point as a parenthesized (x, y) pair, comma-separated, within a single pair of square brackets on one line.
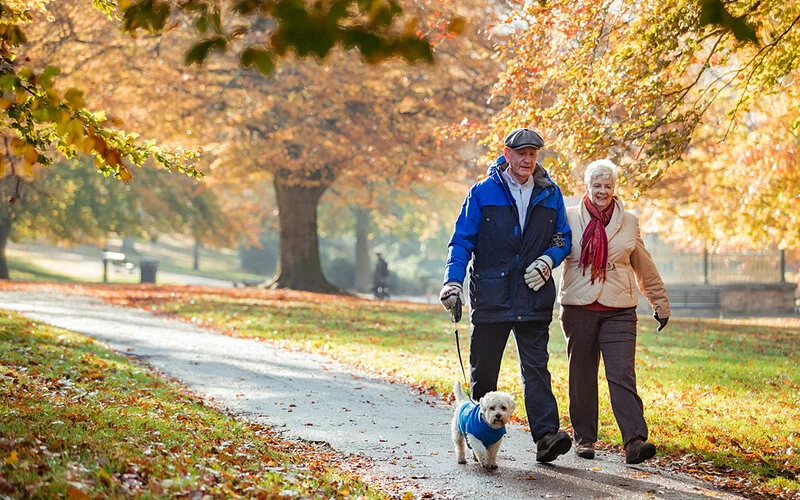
[(629, 263)]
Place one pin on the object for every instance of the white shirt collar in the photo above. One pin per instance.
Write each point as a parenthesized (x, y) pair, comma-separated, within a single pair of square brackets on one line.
[(510, 178)]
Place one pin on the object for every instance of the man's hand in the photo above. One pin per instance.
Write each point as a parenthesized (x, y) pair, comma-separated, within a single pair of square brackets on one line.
[(662, 322), (537, 274), (450, 295)]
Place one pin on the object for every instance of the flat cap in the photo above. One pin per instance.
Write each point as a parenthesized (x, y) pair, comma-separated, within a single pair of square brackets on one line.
[(523, 138)]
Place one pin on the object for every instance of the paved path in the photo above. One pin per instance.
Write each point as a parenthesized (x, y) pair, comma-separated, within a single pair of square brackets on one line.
[(313, 398)]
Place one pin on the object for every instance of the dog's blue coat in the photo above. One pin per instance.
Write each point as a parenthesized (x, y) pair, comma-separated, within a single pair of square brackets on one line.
[(470, 421)]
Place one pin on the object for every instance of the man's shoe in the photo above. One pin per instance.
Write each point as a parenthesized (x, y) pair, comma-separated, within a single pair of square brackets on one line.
[(549, 447), (637, 451), (585, 450)]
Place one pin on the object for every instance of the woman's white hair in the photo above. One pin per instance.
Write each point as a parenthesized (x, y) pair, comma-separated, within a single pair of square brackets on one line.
[(600, 168)]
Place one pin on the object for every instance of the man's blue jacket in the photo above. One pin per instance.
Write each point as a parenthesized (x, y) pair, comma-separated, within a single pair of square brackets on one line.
[(488, 232)]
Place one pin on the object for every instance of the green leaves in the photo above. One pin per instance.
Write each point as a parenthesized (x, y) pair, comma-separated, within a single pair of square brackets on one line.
[(308, 29), (200, 51), (150, 15), (713, 12), (259, 58)]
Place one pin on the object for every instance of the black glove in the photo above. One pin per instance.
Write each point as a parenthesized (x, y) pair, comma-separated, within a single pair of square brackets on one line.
[(662, 322)]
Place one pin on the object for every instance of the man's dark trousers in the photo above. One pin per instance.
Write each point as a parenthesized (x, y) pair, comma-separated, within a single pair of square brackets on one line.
[(487, 343)]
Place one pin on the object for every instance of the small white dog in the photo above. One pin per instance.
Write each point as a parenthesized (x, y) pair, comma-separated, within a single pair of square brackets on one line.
[(480, 426)]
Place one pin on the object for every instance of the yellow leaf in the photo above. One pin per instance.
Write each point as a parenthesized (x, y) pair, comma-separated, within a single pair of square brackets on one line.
[(87, 146), (2, 166), (30, 157), (124, 174), (4, 103), (105, 478), (11, 459), (74, 98), (17, 145)]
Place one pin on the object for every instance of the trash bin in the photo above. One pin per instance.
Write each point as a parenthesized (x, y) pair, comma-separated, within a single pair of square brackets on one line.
[(148, 266)]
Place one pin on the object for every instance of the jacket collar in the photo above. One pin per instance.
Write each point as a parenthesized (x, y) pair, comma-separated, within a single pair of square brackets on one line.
[(614, 225)]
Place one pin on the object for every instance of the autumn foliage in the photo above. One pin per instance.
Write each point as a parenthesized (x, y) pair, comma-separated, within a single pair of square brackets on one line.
[(696, 100)]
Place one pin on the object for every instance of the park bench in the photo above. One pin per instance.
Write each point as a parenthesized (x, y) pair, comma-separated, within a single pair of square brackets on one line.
[(118, 260), (696, 298)]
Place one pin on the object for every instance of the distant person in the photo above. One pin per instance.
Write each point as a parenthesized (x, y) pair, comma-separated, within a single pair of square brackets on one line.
[(513, 226), (380, 278), (598, 312)]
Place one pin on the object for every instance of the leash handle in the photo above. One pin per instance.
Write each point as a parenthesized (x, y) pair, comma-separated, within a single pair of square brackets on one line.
[(455, 311)]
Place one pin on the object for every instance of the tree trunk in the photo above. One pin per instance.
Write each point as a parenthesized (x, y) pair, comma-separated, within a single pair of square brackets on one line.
[(299, 266), (5, 229), (129, 246), (196, 254), (363, 277)]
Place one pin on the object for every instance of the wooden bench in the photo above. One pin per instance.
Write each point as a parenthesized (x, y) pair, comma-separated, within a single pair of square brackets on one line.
[(700, 297), (118, 260)]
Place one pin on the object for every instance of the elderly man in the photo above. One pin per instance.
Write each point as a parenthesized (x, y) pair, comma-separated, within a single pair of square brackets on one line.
[(513, 226)]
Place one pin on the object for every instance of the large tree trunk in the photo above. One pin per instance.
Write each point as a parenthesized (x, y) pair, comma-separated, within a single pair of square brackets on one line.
[(5, 229), (363, 277), (299, 266)]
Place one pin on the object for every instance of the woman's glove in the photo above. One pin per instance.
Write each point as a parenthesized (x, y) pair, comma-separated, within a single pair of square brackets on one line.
[(662, 322), (537, 274)]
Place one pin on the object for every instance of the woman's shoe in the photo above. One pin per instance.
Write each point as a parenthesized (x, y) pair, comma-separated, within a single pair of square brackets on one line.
[(585, 450), (637, 451)]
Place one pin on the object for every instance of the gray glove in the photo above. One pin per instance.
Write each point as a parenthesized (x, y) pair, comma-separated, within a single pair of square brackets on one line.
[(451, 294), (537, 274)]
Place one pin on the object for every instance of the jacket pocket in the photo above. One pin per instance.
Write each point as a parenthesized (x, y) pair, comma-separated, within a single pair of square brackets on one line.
[(489, 291), (632, 287)]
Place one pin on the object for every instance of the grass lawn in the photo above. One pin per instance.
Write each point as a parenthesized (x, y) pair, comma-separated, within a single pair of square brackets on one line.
[(24, 270), (41, 262), (720, 395), (79, 422)]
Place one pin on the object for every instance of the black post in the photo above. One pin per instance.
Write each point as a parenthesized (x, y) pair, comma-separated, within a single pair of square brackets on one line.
[(705, 266), (105, 266), (783, 266)]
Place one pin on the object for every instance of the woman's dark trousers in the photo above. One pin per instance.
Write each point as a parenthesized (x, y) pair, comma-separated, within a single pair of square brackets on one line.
[(611, 334)]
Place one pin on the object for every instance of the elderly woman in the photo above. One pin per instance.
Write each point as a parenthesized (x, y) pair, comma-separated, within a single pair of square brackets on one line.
[(598, 312)]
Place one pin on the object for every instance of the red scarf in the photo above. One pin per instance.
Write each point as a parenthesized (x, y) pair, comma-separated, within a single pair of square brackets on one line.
[(594, 244)]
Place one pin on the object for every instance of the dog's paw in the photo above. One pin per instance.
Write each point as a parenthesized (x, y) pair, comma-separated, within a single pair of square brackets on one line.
[(462, 460), (490, 466)]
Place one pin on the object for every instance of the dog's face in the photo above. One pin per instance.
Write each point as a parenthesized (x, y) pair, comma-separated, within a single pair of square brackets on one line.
[(497, 408)]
